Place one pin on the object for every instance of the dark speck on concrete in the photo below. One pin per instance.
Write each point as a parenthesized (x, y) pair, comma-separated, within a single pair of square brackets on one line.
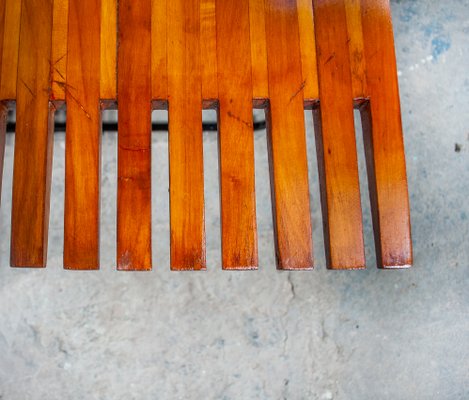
[(457, 147)]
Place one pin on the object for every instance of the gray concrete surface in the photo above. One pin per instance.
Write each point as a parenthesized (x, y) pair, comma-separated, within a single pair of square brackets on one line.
[(266, 335)]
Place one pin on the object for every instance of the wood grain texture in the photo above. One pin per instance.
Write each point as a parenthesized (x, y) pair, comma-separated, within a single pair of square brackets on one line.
[(11, 33), (236, 139), (83, 137), (308, 51), (260, 84), (3, 126), (134, 136), (2, 31), (208, 49), (384, 142), (186, 171), (159, 31), (33, 140), (356, 50), (59, 49), (108, 32), (287, 138), (336, 143)]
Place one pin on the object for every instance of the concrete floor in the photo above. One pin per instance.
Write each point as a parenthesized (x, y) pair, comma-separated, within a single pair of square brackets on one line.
[(266, 335)]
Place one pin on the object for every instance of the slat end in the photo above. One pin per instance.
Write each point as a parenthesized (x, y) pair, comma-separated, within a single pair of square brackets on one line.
[(293, 268), (28, 266), (134, 268), (394, 267), (194, 268), (240, 268), (347, 267), (82, 267)]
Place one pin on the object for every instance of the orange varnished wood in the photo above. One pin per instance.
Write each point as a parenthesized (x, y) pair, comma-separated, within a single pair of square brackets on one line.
[(260, 84), (10, 49), (83, 137), (186, 172), (59, 50), (384, 143), (208, 50), (2, 30), (287, 138), (356, 51), (134, 136), (33, 140), (159, 30), (236, 139), (108, 85), (281, 55), (308, 50), (336, 144)]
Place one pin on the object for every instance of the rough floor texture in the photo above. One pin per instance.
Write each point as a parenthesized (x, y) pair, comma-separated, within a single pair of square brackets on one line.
[(266, 334)]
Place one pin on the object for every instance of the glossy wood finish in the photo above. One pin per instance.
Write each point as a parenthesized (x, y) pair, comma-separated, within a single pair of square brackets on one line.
[(384, 143), (33, 141), (208, 51), (236, 138), (10, 49), (308, 51), (186, 171), (185, 55), (335, 131), (2, 30), (258, 50), (287, 138), (134, 136), (83, 137), (59, 50), (108, 38), (356, 51), (159, 31)]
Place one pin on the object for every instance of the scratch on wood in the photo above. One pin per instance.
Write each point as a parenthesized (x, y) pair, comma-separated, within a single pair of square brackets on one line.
[(60, 58), (330, 58), (236, 118), (56, 70), (27, 87), (65, 87), (300, 89)]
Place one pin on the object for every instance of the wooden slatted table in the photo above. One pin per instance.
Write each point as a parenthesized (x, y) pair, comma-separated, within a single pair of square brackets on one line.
[(327, 56)]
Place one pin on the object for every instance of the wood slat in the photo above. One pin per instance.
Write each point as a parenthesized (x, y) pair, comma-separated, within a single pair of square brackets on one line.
[(134, 136), (355, 42), (186, 171), (2, 30), (83, 137), (108, 85), (159, 31), (236, 139), (336, 143), (208, 49), (287, 139), (260, 84), (384, 143), (33, 140), (59, 50), (8, 73), (308, 51)]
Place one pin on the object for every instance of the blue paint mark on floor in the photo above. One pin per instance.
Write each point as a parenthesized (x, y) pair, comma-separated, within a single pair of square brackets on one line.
[(440, 44)]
